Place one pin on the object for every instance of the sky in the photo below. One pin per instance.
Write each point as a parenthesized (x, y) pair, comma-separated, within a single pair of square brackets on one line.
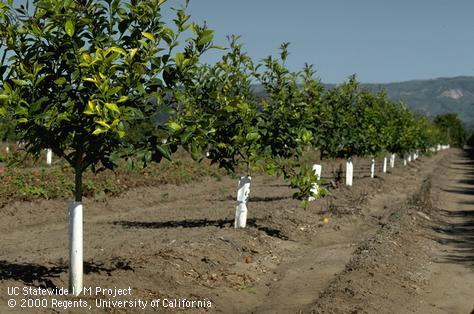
[(378, 40)]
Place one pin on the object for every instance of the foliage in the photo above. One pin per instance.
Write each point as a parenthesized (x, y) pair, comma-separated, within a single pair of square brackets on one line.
[(399, 134), (452, 129), (221, 103), (7, 130), (350, 122), (84, 72), (287, 120), (236, 128), (371, 139)]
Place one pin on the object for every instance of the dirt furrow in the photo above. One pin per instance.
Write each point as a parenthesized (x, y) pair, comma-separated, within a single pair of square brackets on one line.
[(421, 260)]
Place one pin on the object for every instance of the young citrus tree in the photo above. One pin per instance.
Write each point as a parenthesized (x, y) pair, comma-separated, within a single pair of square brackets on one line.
[(399, 119), (81, 73), (452, 128), (371, 125), (286, 120), (338, 130), (426, 134), (221, 102), (336, 121)]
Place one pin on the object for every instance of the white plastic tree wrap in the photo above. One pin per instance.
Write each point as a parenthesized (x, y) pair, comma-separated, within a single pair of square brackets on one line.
[(349, 172), (384, 169), (392, 161), (75, 248), (409, 157), (317, 171), (372, 168), (49, 157), (243, 193)]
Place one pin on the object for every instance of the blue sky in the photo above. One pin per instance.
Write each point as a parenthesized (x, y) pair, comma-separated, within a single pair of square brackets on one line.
[(379, 40)]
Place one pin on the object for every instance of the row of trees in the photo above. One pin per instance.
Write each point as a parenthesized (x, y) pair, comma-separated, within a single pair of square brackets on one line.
[(296, 113), (96, 81)]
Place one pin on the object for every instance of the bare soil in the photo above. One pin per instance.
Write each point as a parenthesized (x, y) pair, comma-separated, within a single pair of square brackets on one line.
[(400, 243)]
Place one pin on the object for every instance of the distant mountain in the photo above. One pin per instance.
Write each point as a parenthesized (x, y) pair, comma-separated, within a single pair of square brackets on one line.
[(430, 97), (435, 96)]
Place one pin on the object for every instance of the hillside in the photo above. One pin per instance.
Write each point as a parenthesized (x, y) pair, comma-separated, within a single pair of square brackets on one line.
[(435, 96)]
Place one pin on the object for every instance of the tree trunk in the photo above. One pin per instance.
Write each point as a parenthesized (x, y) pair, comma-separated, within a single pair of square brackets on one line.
[(242, 199), (372, 168), (75, 236), (315, 189), (78, 184), (349, 171), (49, 156)]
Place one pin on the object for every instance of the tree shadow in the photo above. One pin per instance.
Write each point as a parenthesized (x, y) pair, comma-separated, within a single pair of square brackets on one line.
[(200, 223), (460, 191), (255, 199), (188, 223), (41, 276), (457, 226), (31, 274)]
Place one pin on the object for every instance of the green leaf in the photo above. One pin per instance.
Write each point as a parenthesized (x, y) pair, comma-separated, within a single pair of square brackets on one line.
[(206, 37), (252, 136), (69, 27), (118, 50), (20, 82), (89, 79), (103, 123), (133, 52), (149, 36), (179, 59), (174, 126), (60, 81), (164, 151), (112, 107), (90, 106), (185, 137), (122, 99), (99, 131), (196, 153), (87, 57)]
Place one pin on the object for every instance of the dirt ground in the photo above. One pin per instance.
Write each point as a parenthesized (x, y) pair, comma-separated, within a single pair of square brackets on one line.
[(400, 243)]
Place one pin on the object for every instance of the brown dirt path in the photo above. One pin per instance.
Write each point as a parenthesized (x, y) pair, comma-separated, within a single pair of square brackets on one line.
[(422, 259), (451, 288)]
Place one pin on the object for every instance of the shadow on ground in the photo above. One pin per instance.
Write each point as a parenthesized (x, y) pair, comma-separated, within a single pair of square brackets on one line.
[(457, 229), (200, 223), (41, 276)]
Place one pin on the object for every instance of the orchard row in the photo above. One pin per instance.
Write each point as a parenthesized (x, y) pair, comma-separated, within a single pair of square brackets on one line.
[(96, 81)]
